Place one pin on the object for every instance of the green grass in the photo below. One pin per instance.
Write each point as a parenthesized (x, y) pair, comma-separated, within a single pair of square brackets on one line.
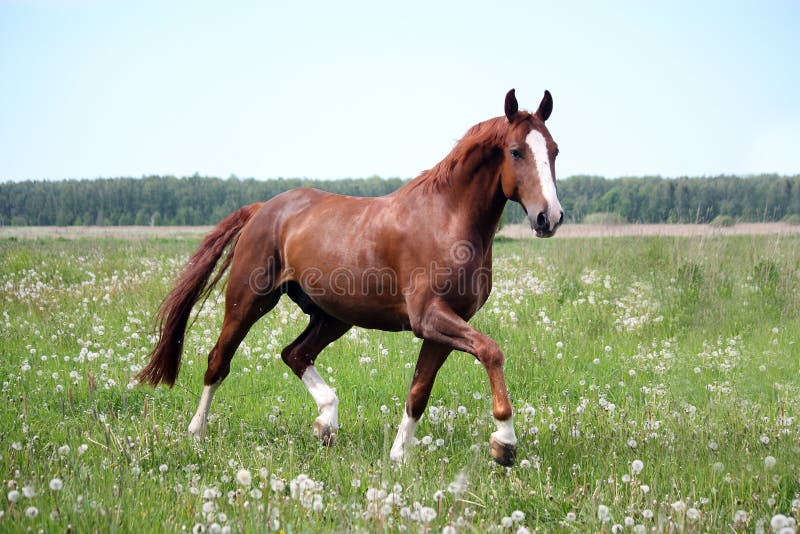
[(682, 353)]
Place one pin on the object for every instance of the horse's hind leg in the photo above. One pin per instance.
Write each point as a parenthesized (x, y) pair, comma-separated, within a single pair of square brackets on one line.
[(244, 305), (300, 354)]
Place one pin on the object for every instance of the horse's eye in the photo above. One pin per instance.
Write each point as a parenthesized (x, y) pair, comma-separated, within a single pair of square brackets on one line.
[(516, 154)]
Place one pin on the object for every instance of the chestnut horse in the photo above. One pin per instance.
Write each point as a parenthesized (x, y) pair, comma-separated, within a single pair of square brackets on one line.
[(419, 258)]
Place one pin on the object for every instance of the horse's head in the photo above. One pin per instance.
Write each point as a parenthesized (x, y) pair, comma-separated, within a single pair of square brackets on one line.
[(528, 175)]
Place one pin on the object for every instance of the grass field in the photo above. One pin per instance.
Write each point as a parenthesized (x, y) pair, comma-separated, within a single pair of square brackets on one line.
[(655, 381)]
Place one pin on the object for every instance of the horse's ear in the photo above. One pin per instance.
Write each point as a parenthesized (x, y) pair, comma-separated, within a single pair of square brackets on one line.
[(545, 106), (511, 105)]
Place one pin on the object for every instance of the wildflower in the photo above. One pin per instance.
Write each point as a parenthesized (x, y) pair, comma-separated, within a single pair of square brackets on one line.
[(243, 477), (506, 522), (769, 462), (28, 492), (277, 484), (523, 530), (679, 506), (636, 467), (459, 484), (427, 514), (517, 516), (778, 522), (602, 513), (63, 450), (692, 514), (571, 517), (209, 507), (31, 511), (647, 513), (56, 484), (199, 528), (13, 496), (375, 494), (82, 448), (645, 488), (740, 517)]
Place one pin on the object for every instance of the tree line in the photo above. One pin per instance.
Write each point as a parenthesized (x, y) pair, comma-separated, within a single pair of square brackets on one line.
[(197, 200)]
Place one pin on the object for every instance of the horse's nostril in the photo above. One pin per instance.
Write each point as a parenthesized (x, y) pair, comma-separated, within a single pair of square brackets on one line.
[(541, 220), (561, 219)]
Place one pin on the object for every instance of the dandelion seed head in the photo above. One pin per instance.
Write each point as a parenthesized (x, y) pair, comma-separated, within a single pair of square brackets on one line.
[(603, 513), (243, 477), (637, 466)]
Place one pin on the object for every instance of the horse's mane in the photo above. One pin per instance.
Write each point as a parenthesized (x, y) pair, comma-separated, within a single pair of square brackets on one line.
[(488, 133)]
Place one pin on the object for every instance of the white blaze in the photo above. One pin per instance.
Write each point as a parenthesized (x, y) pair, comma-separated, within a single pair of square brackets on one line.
[(538, 146)]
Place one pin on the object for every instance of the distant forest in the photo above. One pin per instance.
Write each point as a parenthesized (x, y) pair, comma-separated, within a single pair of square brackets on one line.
[(197, 200)]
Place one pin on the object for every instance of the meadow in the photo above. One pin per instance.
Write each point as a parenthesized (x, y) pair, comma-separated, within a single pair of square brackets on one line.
[(654, 379)]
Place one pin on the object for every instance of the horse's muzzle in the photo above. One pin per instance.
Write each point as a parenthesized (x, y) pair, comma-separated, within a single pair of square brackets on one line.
[(544, 226)]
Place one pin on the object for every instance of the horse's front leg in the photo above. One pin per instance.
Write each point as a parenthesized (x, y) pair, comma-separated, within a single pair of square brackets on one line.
[(439, 323), (431, 357)]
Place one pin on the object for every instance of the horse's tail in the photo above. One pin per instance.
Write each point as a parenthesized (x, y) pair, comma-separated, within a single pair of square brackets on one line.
[(192, 285)]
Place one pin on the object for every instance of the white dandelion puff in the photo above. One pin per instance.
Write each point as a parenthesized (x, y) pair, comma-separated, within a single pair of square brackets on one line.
[(243, 477)]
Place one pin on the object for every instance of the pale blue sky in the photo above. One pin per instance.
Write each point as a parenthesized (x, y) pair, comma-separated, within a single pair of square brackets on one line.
[(353, 89)]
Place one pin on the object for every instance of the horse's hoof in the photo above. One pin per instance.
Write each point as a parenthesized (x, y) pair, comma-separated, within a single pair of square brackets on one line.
[(325, 432), (502, 453)]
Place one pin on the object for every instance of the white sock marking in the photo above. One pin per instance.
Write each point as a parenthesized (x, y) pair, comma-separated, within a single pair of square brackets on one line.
[(505, 432), (324, 396), (538, 145), (197, 426), (404, 439)]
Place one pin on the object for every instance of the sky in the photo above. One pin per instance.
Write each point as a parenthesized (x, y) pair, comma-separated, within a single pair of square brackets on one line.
[(355, 89)]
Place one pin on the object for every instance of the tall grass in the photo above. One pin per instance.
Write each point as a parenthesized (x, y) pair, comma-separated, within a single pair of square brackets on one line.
[(679, 353)]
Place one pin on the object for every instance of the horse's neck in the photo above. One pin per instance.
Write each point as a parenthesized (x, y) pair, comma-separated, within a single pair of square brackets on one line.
[(474, 199)]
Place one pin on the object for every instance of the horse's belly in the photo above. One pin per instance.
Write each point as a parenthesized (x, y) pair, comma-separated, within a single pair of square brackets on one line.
[(365, 311)]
